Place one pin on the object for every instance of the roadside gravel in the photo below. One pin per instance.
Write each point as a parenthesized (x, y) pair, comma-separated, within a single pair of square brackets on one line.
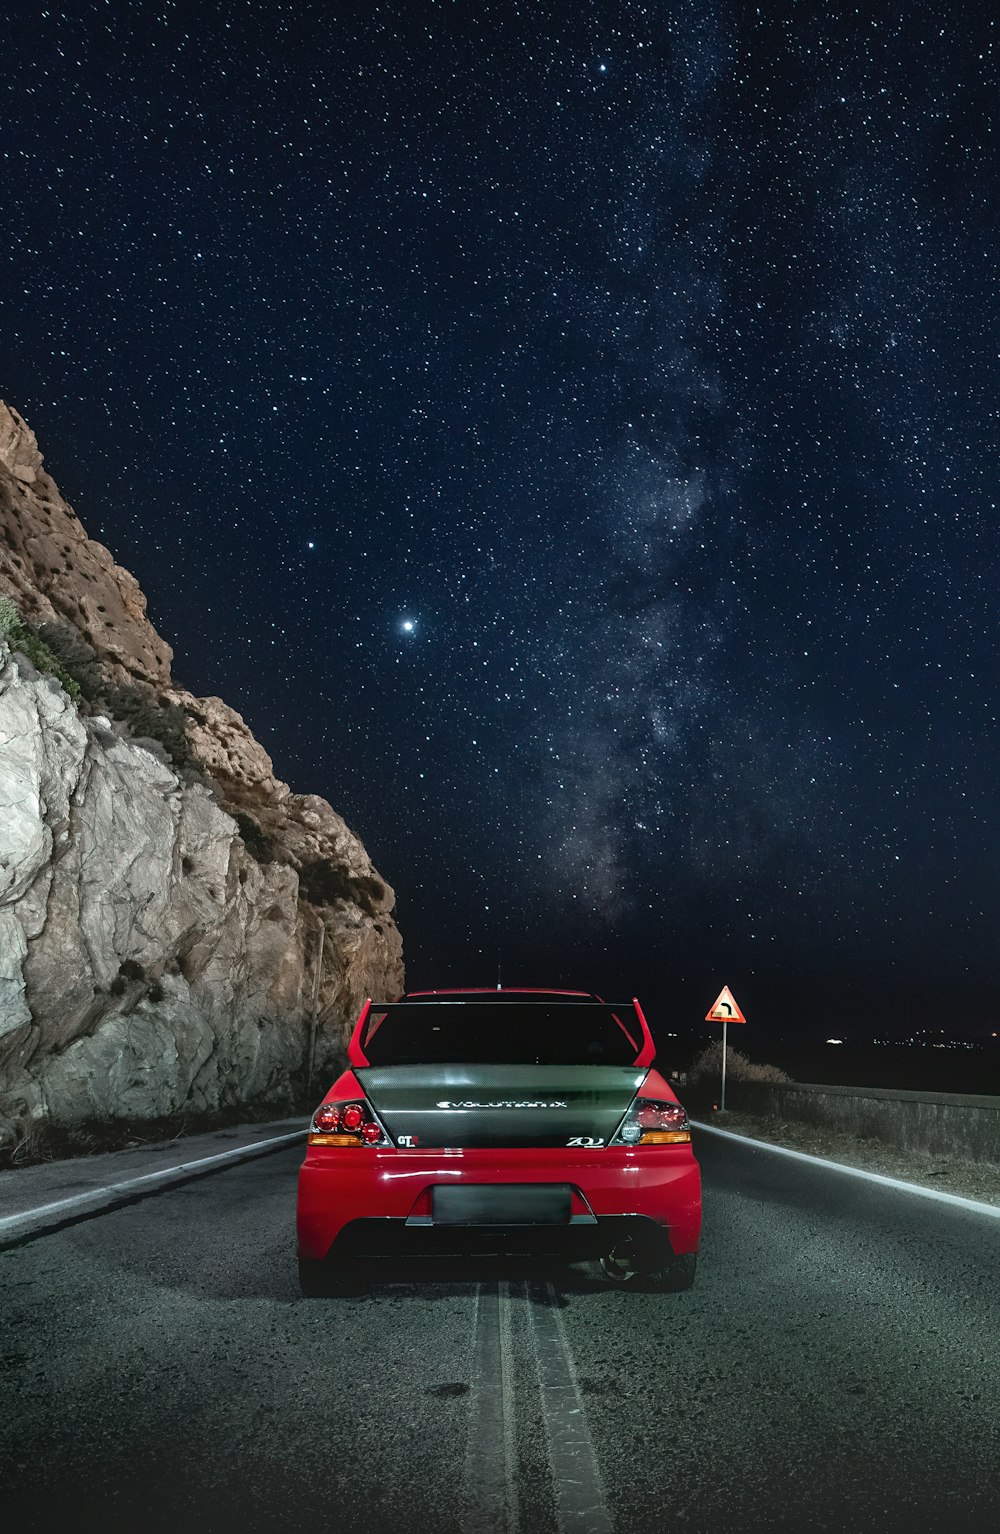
[(977, 1180)]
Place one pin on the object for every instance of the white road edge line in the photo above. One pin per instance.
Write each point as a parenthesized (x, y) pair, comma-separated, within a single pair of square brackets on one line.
[(25, 1218), (857, 1171)]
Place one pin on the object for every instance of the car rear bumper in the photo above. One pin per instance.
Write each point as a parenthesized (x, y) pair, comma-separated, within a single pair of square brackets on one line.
[(383, 1200)]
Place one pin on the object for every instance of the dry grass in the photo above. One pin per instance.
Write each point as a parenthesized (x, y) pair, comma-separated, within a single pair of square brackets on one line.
[(39, 1140)]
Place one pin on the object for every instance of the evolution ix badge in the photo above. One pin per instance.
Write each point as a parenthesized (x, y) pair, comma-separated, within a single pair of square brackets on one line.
[(509, 1104)]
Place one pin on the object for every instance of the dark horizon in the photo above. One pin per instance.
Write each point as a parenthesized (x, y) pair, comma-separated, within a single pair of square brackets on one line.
[(568, 436)]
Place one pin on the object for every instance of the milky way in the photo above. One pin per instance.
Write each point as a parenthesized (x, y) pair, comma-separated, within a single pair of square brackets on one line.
[(568, 433)]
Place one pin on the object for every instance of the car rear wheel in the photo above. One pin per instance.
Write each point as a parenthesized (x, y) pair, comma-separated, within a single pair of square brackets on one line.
[(678, 1274), (621, 1268)]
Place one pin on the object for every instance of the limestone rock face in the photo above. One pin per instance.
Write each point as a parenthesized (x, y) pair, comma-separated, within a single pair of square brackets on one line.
[(177, 928)]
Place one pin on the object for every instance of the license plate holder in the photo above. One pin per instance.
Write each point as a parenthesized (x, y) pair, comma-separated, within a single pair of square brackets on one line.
[(502, 1204)]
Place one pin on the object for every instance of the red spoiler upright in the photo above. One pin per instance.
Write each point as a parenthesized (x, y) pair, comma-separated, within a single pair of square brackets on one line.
[(645, 1056)]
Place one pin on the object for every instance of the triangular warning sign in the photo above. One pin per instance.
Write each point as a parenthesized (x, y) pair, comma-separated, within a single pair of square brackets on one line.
[(725, 1010)]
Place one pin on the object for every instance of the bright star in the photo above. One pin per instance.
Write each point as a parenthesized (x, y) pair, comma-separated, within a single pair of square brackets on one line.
[(407, 625)]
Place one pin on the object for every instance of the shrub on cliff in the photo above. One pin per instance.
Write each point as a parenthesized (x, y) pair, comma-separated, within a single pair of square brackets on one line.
[(150, 718), (147, 716), (255, 839), (75, 655), (9, 616), (324, 883), (706, 1070), (28, 641)]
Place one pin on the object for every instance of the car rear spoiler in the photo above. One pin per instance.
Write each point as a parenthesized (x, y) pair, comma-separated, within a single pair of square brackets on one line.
[(644, 1046)]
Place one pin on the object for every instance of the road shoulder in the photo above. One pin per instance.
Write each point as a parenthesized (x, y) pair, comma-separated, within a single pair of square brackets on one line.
[(978, 1181), (44, 1197)]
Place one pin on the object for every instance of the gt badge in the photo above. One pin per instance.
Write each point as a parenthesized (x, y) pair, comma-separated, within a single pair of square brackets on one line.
[(408, 1140), (587, 1140)]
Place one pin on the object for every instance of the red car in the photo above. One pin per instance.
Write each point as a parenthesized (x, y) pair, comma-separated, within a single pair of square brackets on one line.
[(501, 1122)]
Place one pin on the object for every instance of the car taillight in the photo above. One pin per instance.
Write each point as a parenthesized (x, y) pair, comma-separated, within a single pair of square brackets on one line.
[(345, 1124), (650, 1122)]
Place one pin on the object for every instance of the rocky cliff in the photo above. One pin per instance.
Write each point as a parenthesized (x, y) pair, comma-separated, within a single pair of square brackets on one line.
[(177, 928)]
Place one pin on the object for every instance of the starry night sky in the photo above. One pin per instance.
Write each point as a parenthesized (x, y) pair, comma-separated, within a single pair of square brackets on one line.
[(568, 433)]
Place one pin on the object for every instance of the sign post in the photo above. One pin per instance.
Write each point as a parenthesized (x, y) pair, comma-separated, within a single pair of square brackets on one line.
[(725, 1011)]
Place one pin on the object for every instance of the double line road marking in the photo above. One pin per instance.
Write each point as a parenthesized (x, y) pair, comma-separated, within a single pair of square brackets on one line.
[(492, 1504)]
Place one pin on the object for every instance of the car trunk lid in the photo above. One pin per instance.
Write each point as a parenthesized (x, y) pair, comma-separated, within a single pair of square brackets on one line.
[(463, 1105)]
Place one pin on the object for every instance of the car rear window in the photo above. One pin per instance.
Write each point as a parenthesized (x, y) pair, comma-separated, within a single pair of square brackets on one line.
[(501, 1033)]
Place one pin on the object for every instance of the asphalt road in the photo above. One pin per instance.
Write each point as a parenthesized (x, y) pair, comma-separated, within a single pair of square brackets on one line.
[(837, 1367)]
